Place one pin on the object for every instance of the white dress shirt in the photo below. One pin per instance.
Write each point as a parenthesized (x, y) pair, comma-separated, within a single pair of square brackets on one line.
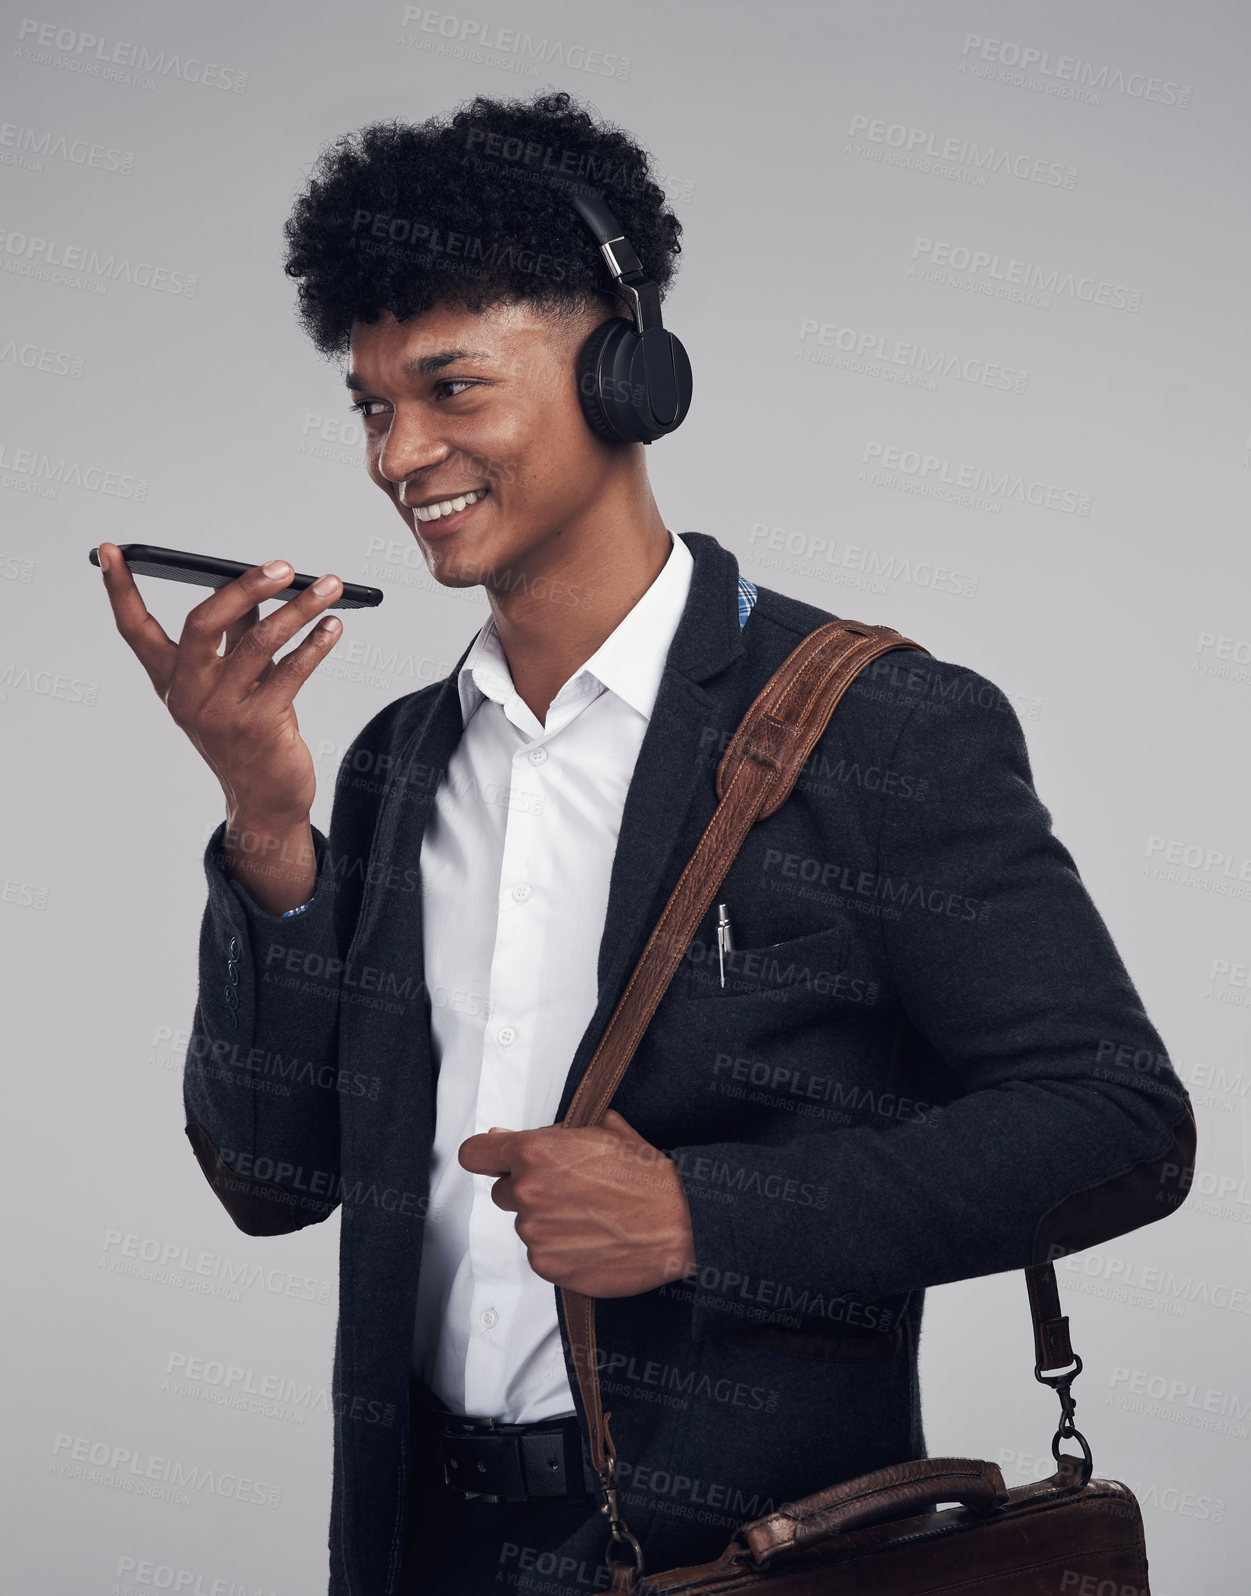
[(515, 865)]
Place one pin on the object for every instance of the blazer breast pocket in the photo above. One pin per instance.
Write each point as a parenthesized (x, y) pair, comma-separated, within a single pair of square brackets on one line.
[(779, 970)]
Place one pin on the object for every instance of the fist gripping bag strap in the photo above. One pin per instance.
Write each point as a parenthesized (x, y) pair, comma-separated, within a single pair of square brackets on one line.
[(755, 777)]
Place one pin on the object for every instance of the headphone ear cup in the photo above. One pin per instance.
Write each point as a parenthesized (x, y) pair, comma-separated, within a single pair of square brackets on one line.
[(595, 359), (618, 390)]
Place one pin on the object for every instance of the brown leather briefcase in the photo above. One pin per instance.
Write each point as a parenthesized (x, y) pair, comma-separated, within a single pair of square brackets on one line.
[(885, 1532)]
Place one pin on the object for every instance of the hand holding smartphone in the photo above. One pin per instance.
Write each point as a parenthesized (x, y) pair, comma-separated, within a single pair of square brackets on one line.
[(237, 706)]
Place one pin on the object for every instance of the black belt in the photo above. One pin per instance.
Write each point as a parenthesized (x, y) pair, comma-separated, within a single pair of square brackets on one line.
[(496, 1462)]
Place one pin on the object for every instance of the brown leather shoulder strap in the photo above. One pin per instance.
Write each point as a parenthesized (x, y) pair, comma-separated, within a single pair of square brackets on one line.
[(754, 778)]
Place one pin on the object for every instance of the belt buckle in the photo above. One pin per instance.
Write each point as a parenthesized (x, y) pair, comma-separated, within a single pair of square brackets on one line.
[(563, 1451)]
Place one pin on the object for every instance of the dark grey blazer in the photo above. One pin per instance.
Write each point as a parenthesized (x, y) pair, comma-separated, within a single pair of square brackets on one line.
[(927, 1063)]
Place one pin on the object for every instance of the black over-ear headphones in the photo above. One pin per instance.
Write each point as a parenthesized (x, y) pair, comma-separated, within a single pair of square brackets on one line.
[(634, 377)]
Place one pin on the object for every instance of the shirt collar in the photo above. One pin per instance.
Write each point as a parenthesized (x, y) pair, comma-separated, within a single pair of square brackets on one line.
[(629, 662)]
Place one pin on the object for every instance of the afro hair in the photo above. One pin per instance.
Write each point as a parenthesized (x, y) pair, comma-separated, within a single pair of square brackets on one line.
[(471, 211)]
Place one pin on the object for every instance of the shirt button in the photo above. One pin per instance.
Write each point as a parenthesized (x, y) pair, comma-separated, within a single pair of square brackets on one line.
[(234, 947), (490, 1317), (506, 1035), (538, 756), (522, 891)]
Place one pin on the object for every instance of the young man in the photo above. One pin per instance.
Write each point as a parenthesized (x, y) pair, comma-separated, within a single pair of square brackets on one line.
[(909, 1071)]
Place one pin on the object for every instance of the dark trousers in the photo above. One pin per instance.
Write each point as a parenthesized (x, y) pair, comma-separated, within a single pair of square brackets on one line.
[(467, 1547)]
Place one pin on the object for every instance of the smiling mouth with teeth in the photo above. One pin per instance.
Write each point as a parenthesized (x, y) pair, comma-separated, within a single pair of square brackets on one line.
[(462, 501)]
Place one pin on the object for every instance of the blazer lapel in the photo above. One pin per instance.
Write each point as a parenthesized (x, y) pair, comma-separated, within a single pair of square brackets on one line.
[(671, 795), (420, 766)]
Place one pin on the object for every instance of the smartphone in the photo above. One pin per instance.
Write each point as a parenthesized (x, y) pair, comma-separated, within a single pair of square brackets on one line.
[(204, 570)]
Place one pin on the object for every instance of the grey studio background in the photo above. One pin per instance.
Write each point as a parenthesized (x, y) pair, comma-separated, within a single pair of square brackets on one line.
[(964, 288)]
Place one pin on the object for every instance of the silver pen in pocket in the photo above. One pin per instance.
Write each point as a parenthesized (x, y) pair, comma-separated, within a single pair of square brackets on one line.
[(724, 943)]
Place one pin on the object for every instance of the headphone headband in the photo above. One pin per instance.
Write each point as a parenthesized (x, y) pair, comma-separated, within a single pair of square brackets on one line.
[(625, 266)]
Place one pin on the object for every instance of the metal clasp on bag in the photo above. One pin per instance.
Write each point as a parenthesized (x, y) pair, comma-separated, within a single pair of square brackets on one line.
[(1067, 1430), (619, 1532)]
